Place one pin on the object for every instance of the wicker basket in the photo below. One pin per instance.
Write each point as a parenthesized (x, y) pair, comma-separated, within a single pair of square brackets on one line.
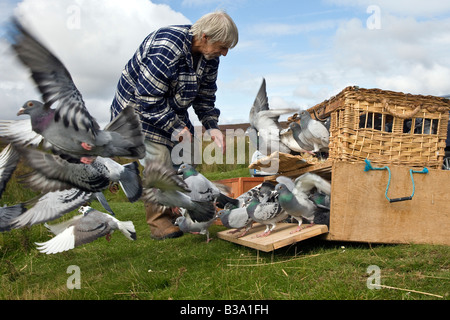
[(386, 127)]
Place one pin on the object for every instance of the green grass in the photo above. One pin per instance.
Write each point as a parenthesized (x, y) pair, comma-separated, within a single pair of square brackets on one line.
[(189, 268)]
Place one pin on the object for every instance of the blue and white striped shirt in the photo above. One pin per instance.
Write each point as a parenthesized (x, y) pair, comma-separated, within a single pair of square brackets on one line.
[(161, 82)]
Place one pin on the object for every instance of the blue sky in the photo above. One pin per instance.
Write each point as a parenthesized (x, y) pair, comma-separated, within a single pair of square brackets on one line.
[(307, 51)]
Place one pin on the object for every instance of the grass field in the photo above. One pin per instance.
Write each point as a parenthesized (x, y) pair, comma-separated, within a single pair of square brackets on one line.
[(188, 268)]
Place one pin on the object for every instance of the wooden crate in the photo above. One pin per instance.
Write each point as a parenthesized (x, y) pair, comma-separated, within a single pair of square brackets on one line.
[(360, 211), (240, 185), (376, 124), (373, 124)]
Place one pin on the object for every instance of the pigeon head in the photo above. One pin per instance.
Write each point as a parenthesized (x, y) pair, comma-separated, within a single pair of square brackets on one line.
[(30, 107), (224, 216), (84, 209), (280, 187), (187, 170), (283, 191), (181, 223), (305, 117), (295, 127)]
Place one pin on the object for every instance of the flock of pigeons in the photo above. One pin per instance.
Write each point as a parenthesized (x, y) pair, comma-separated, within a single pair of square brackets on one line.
[(71, 162)]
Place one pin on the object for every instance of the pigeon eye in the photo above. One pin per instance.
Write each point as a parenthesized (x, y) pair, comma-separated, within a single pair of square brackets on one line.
[(30, 104)]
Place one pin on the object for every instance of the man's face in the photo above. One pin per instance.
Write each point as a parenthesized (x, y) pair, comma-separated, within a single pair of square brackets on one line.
[(212, 50)]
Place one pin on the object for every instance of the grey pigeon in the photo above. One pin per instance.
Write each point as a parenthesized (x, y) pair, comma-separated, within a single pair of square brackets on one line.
[(268, 213), (235, 218), (315, 132), (162, 186), (51, 173), (54, 205), (186, 225), (83, 229), (265, 121), (70, 128), (300, 138), (201, 189), (297, 197), (51, 206), (287, 137), (9, 158), (8, 214), (297, 205)]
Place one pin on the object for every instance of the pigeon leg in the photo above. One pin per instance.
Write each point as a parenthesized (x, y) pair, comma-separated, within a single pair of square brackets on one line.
[(108, 237), (299, 227), (266, 232), (87, 160), (308, 226), (242, 234), (86, 146), (234, 231)]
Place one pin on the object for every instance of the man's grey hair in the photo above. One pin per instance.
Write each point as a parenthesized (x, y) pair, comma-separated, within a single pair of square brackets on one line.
[(217, 26)]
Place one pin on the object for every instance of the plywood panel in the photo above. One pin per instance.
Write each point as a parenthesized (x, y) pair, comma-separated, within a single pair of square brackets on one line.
[(360, 211), (280, 237)]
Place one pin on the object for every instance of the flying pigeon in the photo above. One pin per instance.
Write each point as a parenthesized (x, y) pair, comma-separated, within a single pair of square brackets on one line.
[(265, 122), (51, 173), (297, 199), (201, 189), (9, 158), (8, 214), (186, 225), (314, 131), (164, 187), (69, 127), (85, 228), (268, 213), (235, 218), (50, 206)]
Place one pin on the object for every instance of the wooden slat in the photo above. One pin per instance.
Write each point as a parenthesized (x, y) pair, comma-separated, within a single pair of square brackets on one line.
[(280, 237)]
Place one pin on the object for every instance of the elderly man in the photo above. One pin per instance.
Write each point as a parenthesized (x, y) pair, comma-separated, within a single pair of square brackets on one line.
[(173, 69)]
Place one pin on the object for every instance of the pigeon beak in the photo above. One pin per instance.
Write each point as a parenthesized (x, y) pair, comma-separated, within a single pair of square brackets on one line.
[(21, 111)]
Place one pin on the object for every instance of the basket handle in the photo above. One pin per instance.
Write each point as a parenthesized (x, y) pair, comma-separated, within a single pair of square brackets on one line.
[(407, 115)]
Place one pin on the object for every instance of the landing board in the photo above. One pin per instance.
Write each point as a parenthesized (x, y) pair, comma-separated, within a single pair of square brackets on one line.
[(280, 237)]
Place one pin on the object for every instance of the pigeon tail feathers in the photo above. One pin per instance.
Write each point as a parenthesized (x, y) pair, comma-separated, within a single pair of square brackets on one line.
[(127, 228), (129, 141)]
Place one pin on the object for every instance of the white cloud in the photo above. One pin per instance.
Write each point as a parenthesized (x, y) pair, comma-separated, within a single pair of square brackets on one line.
[(94, 39), (418, 8), (406, 54)]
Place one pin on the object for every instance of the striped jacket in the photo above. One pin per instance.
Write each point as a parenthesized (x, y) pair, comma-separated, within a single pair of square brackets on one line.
[(161, 82)]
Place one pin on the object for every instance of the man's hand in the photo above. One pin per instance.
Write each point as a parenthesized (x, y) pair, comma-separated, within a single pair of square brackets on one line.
[(179, 136), (218, 138)]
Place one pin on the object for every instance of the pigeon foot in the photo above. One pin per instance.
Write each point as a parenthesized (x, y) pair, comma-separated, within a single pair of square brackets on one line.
[(306, 226), (264, 234), (86, 146), (87, 160), (234, 231)]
